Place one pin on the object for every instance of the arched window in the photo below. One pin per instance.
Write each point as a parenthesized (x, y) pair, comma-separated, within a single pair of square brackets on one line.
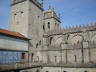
[(48, 25), (37, 45), (37, 70), (22, 12), (44, 27), (23, 56), (55, 58), (75, 58), (40, 42), (50, 40), (76, 39), (15, 14), (85, 71), (32, 57), (38, 16)]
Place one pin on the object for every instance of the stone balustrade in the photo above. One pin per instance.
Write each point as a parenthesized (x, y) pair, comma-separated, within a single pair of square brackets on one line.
[(19, 66), (26, 65)]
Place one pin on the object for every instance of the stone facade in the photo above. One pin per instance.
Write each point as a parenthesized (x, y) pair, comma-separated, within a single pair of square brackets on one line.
[(72, 47), (27, 19), (55, 49)]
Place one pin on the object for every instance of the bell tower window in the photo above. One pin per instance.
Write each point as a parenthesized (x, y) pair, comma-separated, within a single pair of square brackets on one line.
[(75, 58), (44, 27), (15, 14), (48, 25), (22, 12), (55, 58)]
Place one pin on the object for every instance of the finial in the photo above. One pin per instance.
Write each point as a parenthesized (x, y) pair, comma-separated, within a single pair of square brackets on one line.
[(50, 7), (87, 24), (59, 15), (53, 8), (76, 26), (69, 27), (72, 26), (95, 23), (42, 1), (84, 25), (66, 27), (80, 25)]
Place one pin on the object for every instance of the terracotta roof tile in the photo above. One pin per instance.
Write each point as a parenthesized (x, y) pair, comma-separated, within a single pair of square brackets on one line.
[(11, 33)]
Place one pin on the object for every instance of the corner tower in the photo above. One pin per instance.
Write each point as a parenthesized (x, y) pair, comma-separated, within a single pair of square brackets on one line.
[(27, 19), (51, 20)]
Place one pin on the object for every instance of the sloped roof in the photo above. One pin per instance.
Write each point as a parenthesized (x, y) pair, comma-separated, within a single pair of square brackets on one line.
[(12, 34)]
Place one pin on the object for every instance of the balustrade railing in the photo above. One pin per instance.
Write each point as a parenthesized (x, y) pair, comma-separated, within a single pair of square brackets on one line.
[(32, 65), (19, 65)]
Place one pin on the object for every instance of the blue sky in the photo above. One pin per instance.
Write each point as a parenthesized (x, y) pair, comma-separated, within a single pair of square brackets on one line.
[(73, 12)]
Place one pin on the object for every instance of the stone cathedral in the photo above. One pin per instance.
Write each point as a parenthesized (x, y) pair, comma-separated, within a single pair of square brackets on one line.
[(54, 48)]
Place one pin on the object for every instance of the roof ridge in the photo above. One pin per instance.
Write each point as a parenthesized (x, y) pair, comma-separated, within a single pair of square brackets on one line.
[(12, 33)]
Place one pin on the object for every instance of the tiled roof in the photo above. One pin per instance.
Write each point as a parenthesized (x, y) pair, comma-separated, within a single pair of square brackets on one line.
[(13, 34)]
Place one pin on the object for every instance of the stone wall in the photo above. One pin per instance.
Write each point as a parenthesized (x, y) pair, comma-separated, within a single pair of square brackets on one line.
[(61, 69), (71, 48)]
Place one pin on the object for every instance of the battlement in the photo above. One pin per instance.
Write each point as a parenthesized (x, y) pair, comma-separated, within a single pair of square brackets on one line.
[(75, 29), (14, 2), (37, 3), (51, 14)]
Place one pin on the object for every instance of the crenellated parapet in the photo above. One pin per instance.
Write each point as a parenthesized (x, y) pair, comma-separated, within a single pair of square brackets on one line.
[(36, 2), (91, 27), (13, 2)]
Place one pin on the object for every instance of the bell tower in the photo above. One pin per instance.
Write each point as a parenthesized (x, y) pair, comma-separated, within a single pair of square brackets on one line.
[(27, 19), (51, 20)]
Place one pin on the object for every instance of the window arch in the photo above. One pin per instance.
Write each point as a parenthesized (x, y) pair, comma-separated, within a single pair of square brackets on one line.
[(58, 41), (76, 39)]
